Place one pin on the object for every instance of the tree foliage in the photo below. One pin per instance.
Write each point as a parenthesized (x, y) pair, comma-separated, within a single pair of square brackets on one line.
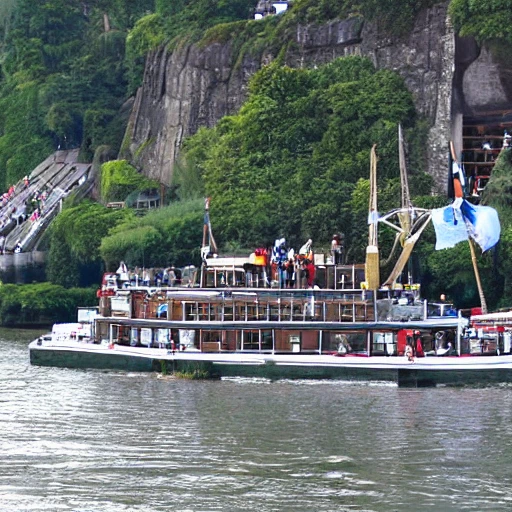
[(75, 236), (42, 303), (487, 21), (170, 235), (288, 163), (119, 178)]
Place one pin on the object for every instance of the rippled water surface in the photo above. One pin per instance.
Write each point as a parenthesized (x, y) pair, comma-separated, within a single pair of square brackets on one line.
[(103, 441)]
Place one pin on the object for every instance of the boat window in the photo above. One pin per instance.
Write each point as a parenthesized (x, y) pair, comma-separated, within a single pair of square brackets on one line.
[(266, 340), (250, 340), (134, 337), (252, 312), (190, 310), (384, 344), (354, 342), (203, 311), (211, 341)]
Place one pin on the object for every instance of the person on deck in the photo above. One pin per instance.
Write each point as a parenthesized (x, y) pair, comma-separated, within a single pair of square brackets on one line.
[(279, 259), (409, 353), (172, 276), (336, 250), (122, 274), (419, 345), (290, 273), (306, 252), (311, 273)]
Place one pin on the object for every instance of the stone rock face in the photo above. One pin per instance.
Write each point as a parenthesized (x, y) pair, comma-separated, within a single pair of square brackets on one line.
[(483, 86), (193, 87), (182, 91)]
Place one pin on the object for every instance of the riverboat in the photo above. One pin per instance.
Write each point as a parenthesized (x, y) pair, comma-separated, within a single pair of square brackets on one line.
[(343, 333), (244, 319)]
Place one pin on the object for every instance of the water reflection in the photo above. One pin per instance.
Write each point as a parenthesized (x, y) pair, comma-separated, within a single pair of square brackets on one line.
[(105, 441)]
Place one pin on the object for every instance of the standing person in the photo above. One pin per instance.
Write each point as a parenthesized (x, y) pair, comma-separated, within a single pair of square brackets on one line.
[(290, 273), (279, 259), (304, 274), (122, 273), (419, 345), (311, 273), (172, 276), (336, 249), (409, 353), (306, 252)]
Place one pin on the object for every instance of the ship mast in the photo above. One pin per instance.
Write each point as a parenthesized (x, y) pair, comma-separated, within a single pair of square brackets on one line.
[(411, 221), (372, 272)]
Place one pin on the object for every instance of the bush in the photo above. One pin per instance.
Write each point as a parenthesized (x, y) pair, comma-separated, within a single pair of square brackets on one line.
[(42, 304)]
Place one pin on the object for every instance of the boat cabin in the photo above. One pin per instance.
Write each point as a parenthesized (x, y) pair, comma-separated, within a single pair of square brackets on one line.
[(343, 322)]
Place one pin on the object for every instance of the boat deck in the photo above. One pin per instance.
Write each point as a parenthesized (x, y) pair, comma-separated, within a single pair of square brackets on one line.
[(427, 371)]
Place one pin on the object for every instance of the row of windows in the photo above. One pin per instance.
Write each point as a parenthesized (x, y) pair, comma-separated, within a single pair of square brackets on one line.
[(285, 311)]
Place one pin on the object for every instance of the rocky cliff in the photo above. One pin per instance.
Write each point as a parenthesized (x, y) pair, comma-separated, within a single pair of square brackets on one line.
[(196, 86)]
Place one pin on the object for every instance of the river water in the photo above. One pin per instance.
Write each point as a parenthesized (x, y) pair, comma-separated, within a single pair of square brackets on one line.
[(73, 440)]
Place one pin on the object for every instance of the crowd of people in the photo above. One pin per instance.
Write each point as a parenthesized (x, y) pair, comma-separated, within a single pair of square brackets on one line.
[(169, 276), (289, 266), (17, 205)]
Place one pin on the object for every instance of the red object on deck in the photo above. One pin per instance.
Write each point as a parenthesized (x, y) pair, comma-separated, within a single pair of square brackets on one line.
[(476, 311), (401, 340)]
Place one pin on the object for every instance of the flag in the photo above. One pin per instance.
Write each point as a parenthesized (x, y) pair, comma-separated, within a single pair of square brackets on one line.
[(461, 220), (483, 224)]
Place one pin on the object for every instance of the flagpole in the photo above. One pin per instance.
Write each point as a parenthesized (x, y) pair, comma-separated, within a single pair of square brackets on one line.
[(483, 302)]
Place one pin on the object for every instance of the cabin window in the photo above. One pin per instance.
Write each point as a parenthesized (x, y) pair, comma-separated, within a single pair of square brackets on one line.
[(134, 337), (344, 342), (384, 344), (250, 340), (274, 312), (187, 338), (189, 311), (252, 312), (211, 341), (146, 337), (262, 311), (266, 340), (203, 312)]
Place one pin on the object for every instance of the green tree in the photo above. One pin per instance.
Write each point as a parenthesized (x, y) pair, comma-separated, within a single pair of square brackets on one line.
[(74, 249), (165, 236), (287, 164)]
